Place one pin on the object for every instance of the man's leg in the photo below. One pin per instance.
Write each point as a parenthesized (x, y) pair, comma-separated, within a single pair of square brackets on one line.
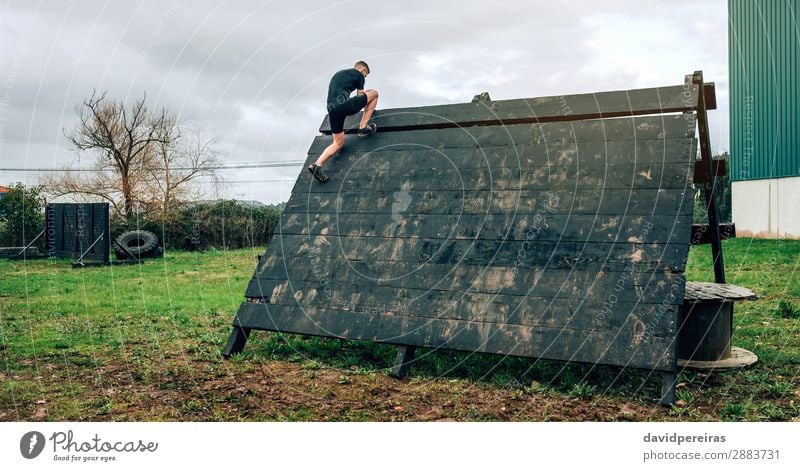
[(369, 108), (336, 145)]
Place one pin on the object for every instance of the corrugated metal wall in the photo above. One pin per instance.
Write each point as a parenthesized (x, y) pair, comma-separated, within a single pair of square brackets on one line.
[(764, 44)]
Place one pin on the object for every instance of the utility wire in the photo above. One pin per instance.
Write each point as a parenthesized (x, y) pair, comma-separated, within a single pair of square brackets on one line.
[(285, 163)]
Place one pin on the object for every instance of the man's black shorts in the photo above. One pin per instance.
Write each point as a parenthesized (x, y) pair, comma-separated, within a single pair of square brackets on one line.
[(339, 112)]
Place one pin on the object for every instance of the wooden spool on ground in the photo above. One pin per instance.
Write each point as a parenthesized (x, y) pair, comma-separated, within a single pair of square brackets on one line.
[(706, 327)]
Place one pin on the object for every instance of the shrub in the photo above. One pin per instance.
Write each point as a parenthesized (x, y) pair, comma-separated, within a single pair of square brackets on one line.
[(21, 215), (198, 226)]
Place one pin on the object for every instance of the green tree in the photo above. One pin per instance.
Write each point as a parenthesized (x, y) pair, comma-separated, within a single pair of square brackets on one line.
[(21, 215)]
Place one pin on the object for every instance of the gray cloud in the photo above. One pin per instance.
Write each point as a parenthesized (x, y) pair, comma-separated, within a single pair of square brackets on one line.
[(257, 73)]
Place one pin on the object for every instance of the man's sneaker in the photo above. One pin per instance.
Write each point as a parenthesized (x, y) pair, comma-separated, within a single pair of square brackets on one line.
[(316, 170), (371, 128)]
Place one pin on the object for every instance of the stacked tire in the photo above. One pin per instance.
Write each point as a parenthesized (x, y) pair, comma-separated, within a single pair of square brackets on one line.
[(140, 244)]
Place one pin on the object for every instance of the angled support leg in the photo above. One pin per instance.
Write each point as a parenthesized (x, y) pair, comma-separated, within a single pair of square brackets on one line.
[(668, 389), (711, 204), (402, 362), (236, 341)]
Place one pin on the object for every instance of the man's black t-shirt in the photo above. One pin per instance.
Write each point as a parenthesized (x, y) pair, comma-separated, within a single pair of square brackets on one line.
[(342, 84)]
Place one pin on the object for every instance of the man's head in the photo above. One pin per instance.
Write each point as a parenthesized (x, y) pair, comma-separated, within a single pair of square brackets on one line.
[(362, 67)]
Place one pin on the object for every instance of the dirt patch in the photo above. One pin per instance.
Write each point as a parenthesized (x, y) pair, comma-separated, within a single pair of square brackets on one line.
[(280, 390)]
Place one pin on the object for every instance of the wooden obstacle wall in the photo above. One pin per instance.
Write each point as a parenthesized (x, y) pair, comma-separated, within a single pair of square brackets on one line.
[(72, 228), (553, 227)]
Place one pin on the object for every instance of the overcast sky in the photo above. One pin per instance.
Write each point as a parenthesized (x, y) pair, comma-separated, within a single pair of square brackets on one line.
[(256, 73)]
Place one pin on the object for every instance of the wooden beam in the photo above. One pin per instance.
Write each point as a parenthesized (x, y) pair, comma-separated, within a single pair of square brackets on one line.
[(549, 133), (718, 169), (668, 381), (710, 92), (701, 233), (565, 108), (402, 362), (236, 341), (568, 283), (711, 205)]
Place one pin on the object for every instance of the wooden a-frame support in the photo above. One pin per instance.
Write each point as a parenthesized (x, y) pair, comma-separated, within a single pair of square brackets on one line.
[(707, 95), (702, 99)]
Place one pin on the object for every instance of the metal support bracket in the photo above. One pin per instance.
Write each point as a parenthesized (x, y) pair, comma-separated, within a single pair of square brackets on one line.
[(30, 244), (79, 261)]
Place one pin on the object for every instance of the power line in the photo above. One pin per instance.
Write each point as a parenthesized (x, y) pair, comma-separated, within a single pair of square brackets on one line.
[(285, 163), (248, 181)]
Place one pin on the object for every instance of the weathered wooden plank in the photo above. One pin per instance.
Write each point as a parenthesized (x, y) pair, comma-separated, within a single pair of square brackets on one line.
[(629, 346), (384, 176), (670, 99), (644, 286), (634, 201), (550, 154), (558, 254), (540, 227), (597, 311), (621, 129)]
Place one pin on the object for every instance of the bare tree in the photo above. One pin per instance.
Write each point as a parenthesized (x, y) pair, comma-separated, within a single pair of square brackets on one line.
[(171, 167), (144, 162), (86, 187)]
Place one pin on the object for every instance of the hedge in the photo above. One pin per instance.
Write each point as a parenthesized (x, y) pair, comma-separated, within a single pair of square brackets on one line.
[(200, 226)]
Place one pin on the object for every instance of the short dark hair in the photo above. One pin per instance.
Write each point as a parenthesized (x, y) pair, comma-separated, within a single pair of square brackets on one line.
[(362, 64)]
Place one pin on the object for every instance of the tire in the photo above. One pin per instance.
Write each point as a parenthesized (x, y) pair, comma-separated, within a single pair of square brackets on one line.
[(139, 243)]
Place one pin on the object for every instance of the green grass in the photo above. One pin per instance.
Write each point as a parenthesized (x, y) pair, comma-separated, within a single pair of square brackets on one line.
[(143, 342)]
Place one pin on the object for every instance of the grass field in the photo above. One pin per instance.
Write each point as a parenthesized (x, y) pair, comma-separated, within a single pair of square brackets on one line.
[(143, 342)]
